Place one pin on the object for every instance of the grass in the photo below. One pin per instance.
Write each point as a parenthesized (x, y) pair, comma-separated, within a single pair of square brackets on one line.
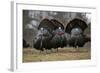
[(32, 55)]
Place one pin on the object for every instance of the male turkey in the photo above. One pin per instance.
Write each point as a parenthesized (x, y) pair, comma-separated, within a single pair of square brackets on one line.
[(50, 35), (44, 35), (76, 29), (59, 38), (77, 38)]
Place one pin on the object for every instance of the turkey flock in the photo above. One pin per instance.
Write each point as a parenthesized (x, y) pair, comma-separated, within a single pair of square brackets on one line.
[(53, 34)]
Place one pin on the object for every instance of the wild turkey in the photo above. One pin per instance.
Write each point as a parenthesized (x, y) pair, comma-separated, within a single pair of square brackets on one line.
[(58, 39), (42, 39), (76, 28), (77, 38), (44, 35), (50, 35)]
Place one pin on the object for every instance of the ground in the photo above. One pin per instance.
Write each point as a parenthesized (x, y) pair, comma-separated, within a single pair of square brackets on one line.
[(33, 55)]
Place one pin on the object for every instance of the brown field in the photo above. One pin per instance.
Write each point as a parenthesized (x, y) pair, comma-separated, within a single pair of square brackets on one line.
[(32, 55)]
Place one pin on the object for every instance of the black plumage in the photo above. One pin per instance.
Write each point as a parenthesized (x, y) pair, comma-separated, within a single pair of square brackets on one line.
[(57, 24), (47, 24), (44, 35), (50, 35), (59, 38), (42, 39), (74, 24), (76, 29)]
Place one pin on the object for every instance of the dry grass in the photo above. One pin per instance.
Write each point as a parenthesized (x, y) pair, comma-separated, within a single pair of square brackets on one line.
[(32, 55)]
